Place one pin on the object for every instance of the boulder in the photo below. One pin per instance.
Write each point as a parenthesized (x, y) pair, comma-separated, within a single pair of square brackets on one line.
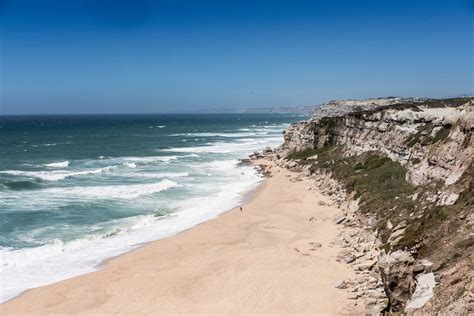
[(346, 258), (448, 199), (425, 284), (396, 270), (353, 296), (340, 218), (244, 162), (366, 266), (342, 285), (268, 150)]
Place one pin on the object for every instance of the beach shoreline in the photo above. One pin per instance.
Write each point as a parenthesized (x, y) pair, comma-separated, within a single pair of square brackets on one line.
[(258, 260), (246, 197)]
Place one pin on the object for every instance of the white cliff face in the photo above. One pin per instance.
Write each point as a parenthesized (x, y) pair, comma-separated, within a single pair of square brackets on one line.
[(432, 143)]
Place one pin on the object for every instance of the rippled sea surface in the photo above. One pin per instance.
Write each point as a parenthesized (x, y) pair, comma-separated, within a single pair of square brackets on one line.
[(75, 190)]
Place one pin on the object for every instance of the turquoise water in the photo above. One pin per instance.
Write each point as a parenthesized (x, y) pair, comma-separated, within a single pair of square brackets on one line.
[(75, 190)]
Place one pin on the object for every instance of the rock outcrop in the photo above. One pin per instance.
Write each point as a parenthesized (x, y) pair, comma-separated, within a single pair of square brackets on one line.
[(401, 172)]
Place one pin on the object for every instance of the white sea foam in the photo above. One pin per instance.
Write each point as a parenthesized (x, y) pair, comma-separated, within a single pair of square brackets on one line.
[(160, 175), (62, 164), (44, 145), (150, 159), (216, 134), (57, 175), (240, 145), (226, 166), (158, 126), (217, 147), (130, 164), (112, 191)]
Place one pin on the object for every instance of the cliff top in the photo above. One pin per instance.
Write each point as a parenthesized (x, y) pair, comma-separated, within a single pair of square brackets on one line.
[(342, 107)]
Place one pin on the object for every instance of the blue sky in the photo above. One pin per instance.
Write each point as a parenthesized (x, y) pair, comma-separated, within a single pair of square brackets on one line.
[(116, 56)]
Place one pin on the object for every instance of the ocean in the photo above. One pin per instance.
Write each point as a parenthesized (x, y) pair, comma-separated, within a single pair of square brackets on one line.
[(76, 190)]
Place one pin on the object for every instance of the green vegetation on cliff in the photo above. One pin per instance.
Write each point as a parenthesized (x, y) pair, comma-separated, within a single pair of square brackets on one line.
[(386, 195)]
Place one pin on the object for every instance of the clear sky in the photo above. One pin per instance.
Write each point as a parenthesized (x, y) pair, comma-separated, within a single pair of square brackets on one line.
[(116, 56)]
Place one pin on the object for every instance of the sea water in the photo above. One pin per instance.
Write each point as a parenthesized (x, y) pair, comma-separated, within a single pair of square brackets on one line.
[(75, 190)]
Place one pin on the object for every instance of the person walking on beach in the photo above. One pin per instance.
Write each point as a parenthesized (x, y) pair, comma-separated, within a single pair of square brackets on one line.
[(241, 209)]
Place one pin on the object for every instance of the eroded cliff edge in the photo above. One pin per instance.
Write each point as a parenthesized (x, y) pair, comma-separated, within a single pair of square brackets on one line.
[(401, 171)]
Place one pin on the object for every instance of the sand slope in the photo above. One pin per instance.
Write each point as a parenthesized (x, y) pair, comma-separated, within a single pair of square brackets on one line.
[(251, 262)]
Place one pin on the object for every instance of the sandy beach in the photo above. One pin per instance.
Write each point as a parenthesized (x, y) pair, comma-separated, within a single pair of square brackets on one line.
[(261, 260)]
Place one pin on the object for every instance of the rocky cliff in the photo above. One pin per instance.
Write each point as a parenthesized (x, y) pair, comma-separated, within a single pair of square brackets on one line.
[(403, 171)]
